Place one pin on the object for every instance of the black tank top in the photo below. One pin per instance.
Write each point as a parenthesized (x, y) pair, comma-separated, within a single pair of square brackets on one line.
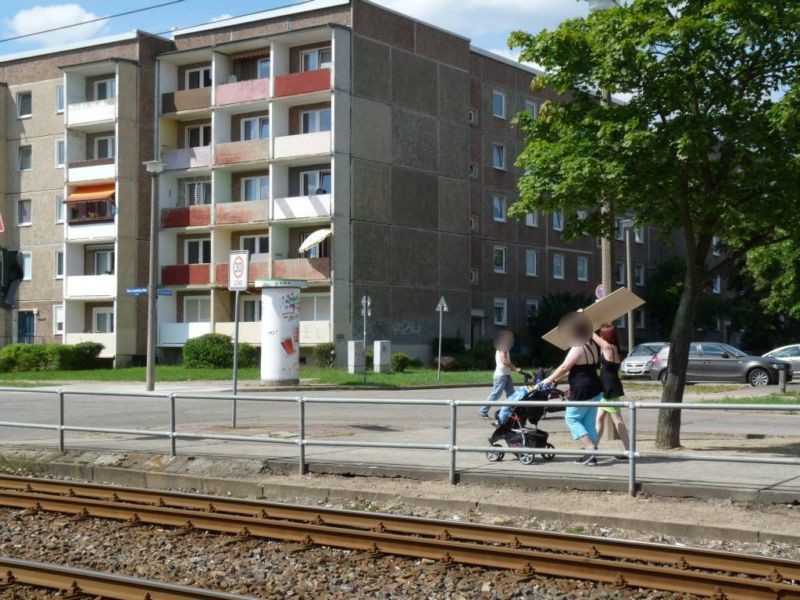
[(584, 383), (609, 376)]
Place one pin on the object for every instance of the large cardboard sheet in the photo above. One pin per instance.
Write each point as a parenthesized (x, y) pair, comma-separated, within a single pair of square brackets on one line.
[(607, 310)]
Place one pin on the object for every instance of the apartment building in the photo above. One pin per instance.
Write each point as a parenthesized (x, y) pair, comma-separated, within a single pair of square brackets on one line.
[(341, 143)]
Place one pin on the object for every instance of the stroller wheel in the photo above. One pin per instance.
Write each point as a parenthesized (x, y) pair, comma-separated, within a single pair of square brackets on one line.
[(526, 459), (495, 456), (547, 455)]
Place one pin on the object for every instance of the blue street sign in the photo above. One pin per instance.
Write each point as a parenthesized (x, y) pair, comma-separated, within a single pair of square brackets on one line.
[(163, 292), (140, 291)]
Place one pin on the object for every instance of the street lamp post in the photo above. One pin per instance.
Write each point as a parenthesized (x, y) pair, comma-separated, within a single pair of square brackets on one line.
[(154, 167), (627, 224)]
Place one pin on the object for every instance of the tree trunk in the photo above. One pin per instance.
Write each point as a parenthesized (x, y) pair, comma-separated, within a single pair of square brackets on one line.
[(668, 431)]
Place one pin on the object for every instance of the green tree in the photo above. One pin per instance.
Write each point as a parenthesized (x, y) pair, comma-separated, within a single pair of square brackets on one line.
[(776, 271), (707, 144), (551, 309)]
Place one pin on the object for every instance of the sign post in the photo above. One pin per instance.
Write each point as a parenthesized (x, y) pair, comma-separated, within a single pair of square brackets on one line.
[(441, 308), (366, 311), (238, 268)]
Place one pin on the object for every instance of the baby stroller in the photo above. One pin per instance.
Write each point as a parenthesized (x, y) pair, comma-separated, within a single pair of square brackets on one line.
[(513, 428)]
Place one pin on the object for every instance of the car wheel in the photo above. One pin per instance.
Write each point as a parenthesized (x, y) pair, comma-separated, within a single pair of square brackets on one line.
[(758, 377), (662, 377)]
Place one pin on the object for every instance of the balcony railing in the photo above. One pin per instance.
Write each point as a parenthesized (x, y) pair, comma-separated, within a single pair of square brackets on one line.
[(176, 334), (91, 230), (93, 211), (186, 216), (235, 213), (98, 169), (303, 144), (95, 111), (310, 269), (242, 91), (91, 286), (184, 100), (231, 153), (315, 332), (302, 207), (258, 269), (109, 341), (186, 274), (303, 83), (187, 158), (249, 333)]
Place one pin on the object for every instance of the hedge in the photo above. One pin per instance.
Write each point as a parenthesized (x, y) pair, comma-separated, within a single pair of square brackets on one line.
[(215, 351), (48, 357)]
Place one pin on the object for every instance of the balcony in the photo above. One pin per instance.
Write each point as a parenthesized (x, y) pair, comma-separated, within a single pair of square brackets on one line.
[(186, 216), (237, 213), (85, 230), (90, 286), (98, 169), (82, 113), (258, 269), (249, 333), (231, 153), (187, 158), (242, 91), (315, 332), (304, 144), (186, 100), (302, 207), (186, 274), (176, 334), (310, 269), (303, 83), (108, 340)]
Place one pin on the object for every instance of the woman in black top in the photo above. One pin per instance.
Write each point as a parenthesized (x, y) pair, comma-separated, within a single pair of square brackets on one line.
[(612, 385)]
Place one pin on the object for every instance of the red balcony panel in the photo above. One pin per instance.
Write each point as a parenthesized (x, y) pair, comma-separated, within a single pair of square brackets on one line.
[(186, 275), (187, 216), (242, 212), (242, 91), (259, 269), (310, 269), (240, 152), (303, 83)]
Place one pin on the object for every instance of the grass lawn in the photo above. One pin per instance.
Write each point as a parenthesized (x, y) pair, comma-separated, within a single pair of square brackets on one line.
[(789, 398)]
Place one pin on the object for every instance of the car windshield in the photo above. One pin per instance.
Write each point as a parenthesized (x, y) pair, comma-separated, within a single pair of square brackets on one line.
[(732, 351), (644, 350)]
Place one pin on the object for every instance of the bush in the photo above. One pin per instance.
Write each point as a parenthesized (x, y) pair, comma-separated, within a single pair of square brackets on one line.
[(210, 351), (325, 355), (449, 363), (75, 358), (25, 357), (249, 356), (369, 359), (451, 346), (400, 362)]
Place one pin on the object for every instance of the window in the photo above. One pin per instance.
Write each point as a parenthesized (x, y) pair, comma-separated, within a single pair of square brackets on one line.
[(104, 262), (59, 266), (27, 266), (473, 223), (621, 322), (641, 319), (315, 307), (61, 208), (198, 135), (255, 244), (558, 266), (198, 251), (532, 108), (255, 128), (24, 209), (620, 272), (198, 78), (499, 156), (558, 221), (473, 116), (105, 89), (24, 104), (638, 234), (532, 219), (196, 309), (717, 284), (198, 193), (583, 268), (264, 68), (59, 153), (321, 250), (619, 230), (251, 310), (255, 188), (638, 270), (501, 311), (531, 266), (473, 276), (25, 162), (320, 58), (312, 121), (531, 307), (103, 319), (60, 98), (315, 183), (473, 170), (58, 319), (499, 259), (498, 104), (499, 208), (104, 147), (716, 246)]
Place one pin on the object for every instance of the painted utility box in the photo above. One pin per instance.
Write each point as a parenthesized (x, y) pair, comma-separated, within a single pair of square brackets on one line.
[(280, 331)]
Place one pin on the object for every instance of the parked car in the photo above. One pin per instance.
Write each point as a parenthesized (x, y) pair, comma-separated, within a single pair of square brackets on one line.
[(790, 354), (712, 361), (638, 361)]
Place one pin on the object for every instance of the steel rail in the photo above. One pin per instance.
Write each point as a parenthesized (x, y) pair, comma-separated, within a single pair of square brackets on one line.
[(507, 556), (79, 582)]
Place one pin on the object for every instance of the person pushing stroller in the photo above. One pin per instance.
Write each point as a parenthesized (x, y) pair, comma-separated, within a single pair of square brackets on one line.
[(501, 382)]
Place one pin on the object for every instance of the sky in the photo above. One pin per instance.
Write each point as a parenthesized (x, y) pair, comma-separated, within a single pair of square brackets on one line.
[(486, 22)]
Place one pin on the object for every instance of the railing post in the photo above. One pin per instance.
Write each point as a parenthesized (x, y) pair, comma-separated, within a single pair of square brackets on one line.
[(302, 441), (172, 440), (61, 420), (453, 438), (782, 380), (632, 450)]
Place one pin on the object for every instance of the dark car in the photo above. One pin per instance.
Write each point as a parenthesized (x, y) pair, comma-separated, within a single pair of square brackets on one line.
[(713, 361)]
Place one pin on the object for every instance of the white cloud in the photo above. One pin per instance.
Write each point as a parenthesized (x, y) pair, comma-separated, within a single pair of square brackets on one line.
[(222, 17), (39, 18)]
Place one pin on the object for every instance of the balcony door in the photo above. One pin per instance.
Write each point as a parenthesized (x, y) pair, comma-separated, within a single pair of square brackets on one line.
[(315, 183), (198, 136), (198, 252), (197, 309), (26, 327), (319, 58), (312, 121), (104, 147), (103, 319), (198, 78), (255, 128), (105, 89), (104, 262)]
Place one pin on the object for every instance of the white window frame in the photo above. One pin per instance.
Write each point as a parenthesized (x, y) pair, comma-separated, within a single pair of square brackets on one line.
[(620, 272), (256, 311), (318, 61), (61, 98), (318, 174), (473, 223), (504, 162), (474, 275), (532, 219), (60, 143), (558, 220), (531, 268), (103, 310), (110, 82), (200, 253), (619, 230), (502, 270), (638, 274), (27, 258), (257, 179), (58, 308), (112, 145), (716, 285), (638, 234), (503, 104), (256, 243), (29, 222), (503, 201), (196, 298), (582, 260), (111, 260), (716, 250), (202, 138), (257, 121), (19, 158), (500, 303), (622, 322), (21, 115), (317, 112), (259, 62), (473, 116), (532, 107), (641, 319), (55, 266), (531, 303), (61, 208), (319, 300), (187, 75), (191, 185), (560, 260)]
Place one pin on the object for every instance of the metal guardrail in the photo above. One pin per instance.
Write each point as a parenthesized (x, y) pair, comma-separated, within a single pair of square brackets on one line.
[(451, 446)]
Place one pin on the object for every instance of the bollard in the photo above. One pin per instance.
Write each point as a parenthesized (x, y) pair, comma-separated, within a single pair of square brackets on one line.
[(302, 441), (173, 450), (782, 380), (632, 450), (61, 420), (453, 420)]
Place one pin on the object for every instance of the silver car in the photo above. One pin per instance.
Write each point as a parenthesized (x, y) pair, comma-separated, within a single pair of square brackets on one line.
[(790, 354), (638, 361)]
